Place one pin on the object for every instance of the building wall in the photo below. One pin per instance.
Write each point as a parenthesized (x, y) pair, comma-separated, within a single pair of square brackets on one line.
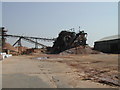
[(110, 46)]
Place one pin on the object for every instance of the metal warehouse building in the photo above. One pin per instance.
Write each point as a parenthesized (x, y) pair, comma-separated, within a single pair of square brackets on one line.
[(109, 44)]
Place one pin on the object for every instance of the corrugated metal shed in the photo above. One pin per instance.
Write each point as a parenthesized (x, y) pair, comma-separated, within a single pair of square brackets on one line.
[(109, 38), (109, 44)]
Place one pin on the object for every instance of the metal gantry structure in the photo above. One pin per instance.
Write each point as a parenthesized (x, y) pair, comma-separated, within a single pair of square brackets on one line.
[(33, 40)]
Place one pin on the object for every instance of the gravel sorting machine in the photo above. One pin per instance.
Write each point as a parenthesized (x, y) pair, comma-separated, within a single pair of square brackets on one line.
[(67, 40)]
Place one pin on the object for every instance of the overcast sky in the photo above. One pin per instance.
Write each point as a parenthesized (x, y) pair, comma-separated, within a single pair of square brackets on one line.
[(98, 19)]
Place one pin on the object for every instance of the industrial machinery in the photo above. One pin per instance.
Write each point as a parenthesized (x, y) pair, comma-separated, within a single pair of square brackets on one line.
[(67, 40)]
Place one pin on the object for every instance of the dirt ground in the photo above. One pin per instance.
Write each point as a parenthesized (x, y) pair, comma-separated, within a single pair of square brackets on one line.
[(60, 71)]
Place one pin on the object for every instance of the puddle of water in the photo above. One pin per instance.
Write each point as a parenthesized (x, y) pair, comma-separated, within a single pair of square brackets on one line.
[(41, 58)]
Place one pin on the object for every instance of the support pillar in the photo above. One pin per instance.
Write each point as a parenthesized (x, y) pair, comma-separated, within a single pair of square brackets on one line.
[(36, 45)]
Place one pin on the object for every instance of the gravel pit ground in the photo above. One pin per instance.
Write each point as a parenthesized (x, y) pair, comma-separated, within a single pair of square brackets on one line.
[(60, 71)]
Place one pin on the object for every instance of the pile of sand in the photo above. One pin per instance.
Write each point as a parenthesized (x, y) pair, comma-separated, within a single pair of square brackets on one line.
[(21, 49), (14, 50), (80, 50), (7, 46), (33, 51)]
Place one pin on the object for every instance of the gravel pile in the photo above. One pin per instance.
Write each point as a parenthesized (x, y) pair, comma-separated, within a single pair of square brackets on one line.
[(80, 50)]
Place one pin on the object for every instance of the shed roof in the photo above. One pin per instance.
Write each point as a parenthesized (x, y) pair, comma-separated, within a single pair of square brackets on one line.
[(109, 38)]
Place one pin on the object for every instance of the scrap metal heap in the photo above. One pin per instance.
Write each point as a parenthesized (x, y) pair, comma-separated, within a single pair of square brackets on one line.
[(67, 40)]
